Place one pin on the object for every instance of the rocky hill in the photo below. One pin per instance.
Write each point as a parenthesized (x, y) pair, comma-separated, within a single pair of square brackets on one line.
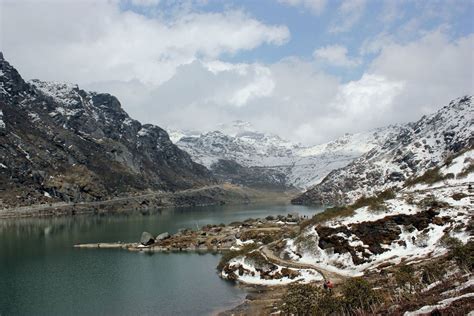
[(61, 143), (415, 149), (271, 160)]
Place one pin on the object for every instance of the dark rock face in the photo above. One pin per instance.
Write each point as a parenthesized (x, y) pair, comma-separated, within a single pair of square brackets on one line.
[(61, 143), (253, 177), (418, 147)]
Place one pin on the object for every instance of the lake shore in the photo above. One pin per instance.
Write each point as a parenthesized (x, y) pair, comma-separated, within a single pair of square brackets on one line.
[(147, 202)]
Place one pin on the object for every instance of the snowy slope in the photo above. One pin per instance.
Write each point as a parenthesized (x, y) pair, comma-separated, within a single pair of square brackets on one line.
[(416, 148), (303, 166), (409, 228)]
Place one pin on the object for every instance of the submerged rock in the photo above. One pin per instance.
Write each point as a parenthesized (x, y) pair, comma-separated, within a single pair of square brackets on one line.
[(147, 239)]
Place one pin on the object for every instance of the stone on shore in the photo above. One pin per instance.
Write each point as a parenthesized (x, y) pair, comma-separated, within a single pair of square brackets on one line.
[(163, 236), (147, 239)]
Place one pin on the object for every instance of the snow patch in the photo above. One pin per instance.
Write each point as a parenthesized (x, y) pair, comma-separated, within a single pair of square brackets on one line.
[(254, 276), (441, 305), (2, 123)]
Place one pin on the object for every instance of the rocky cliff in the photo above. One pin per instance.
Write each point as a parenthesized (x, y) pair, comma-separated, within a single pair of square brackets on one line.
[(61, 143), (415, 149)]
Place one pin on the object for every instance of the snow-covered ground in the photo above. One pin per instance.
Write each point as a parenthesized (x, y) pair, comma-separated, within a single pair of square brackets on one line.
[(304, 166), (252, 275), (411, 243)]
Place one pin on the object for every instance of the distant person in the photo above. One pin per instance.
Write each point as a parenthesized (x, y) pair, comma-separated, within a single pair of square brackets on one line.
[(328, 285)]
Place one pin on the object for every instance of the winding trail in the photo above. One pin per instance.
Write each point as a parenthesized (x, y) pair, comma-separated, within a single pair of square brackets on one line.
[(336, 278)]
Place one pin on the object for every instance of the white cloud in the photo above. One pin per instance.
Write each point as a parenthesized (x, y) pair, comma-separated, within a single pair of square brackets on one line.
[(435, 69), (170, 71), (315, 6), (349, 14), (80, 40), (145, 3), (261, 86), (336, 55), (297, 100)]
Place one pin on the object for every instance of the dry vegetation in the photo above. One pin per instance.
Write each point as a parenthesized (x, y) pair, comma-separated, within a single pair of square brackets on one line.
[(391, 291), (375, 203)]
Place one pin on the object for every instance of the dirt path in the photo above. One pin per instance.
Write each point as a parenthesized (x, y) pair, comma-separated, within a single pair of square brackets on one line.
[(327, 275)]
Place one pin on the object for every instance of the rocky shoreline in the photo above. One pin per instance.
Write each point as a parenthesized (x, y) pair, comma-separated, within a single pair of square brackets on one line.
[(148, 202), (213, 238)]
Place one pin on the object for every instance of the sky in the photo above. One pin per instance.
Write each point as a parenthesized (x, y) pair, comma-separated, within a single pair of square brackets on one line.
[(308, 70)]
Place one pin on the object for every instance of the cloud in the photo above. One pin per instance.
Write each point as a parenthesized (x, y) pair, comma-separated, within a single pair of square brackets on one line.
[(176, 71), (349, 14), (435, 69), (314, 6), (145, 3), (80, 40), (336, 55)]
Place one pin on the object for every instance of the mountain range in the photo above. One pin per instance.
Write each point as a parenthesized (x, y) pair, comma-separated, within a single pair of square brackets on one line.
[(416, 149), (61, 143), (238, 153)]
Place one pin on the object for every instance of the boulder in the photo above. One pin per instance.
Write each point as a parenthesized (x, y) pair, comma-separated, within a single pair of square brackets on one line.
[(147, 239), (163, 236)]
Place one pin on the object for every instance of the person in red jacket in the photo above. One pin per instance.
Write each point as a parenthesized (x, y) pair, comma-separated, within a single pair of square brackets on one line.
[(328, 285)]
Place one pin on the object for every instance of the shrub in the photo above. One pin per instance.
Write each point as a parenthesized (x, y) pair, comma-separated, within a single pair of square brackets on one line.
[(231, 254), (432, 272), (374, 203), (257, 258), (463, 254), (431, 202), (358, 294), (267, 239), (466, 171), (410, 199), (429, 177), (458, 196), (449, 242), (307, 299), (405, 278)]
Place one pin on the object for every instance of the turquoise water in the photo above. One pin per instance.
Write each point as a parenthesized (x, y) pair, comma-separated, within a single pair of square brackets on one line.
[(42, 274)]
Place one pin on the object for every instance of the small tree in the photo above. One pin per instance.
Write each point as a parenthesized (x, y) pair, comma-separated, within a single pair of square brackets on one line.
[(307, 299), (405, 278), (358, 295)]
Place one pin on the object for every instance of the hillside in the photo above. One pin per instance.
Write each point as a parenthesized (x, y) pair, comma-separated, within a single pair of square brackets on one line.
[(235, 151), (61, 143), (416, 148)]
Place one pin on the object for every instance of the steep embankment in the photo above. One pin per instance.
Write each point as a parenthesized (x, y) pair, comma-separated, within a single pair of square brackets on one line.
[(417, 148), (61, 143)]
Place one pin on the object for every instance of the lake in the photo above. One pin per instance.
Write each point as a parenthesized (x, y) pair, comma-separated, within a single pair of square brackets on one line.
[(42, 274)]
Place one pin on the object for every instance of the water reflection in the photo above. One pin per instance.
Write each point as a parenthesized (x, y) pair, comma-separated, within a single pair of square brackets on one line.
[(42, 274)]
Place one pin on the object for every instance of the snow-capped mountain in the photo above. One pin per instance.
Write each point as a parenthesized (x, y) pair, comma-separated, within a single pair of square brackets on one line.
[(417, 147), (61, 143), (294, 164)]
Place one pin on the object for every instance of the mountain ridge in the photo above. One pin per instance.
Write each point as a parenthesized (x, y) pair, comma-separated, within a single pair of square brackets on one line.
[(61, 143), (418, 147), (294, 165)]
